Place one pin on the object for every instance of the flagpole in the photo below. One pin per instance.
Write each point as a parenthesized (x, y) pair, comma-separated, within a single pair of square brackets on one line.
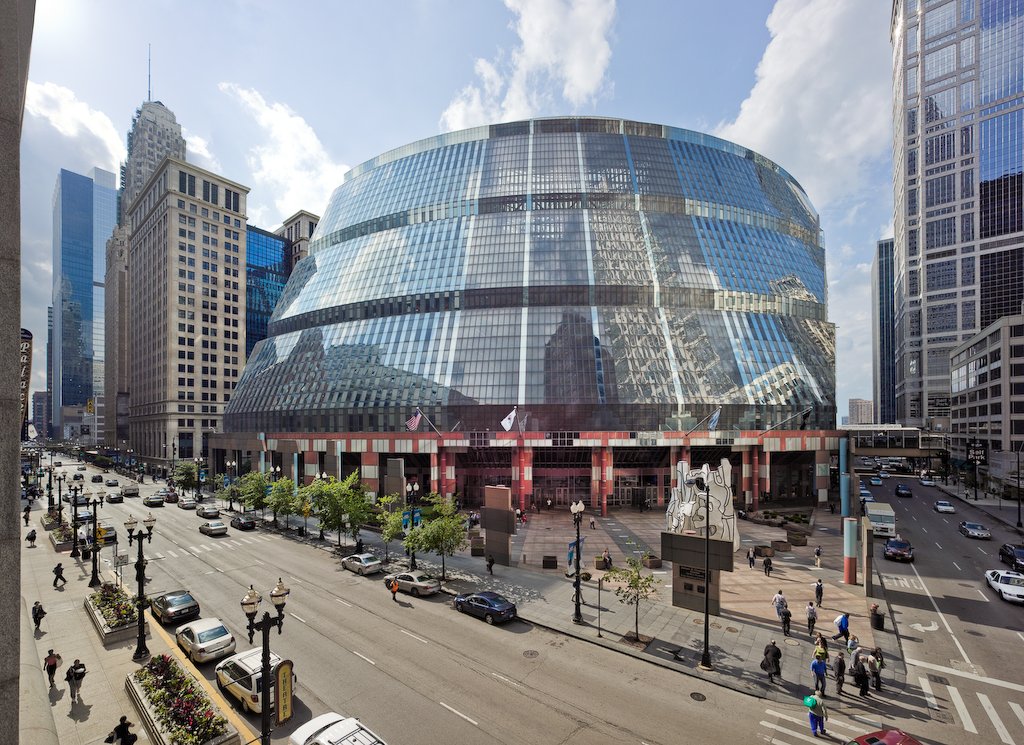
[(430, 422), (719, 409)]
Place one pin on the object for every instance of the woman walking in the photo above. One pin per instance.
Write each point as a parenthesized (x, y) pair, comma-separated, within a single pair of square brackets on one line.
[(772, 661)]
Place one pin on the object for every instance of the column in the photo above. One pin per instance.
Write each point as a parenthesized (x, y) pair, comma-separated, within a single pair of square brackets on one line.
[(369, 469), (607, 477), (435, 481), (849, 550), (755, 491)]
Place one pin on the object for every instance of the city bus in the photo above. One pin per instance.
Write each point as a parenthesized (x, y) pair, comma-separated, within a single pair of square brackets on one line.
[(882, 519)]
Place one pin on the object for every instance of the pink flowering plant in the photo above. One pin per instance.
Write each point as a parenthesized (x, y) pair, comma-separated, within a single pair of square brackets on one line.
[(181, 706), (115, 605)]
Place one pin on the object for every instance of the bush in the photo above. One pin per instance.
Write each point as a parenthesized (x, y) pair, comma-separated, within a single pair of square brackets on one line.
[(117, 608), (181, 706), (585, 576), (62, 533)]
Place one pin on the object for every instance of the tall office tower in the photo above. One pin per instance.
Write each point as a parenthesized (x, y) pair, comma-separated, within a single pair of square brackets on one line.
[(186, 310), (154, 135), (958, 111), (861, 411), (883, 334), (40, 413), (49, 374), (268, 266), (84, 213), (298, 229)]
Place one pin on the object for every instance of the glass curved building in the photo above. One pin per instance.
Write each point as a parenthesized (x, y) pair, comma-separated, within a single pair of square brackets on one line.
[(600, 275)]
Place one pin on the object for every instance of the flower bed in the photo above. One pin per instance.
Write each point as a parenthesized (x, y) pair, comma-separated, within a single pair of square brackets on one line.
[(176, 705), (115, 605)]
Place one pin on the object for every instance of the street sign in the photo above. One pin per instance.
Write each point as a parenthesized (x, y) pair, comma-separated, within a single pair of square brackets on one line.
[(976, 452), (120, 560), (283, 691)]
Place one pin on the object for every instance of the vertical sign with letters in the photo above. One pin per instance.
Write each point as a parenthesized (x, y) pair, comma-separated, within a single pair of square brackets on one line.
[(26, 373), (283, 691)]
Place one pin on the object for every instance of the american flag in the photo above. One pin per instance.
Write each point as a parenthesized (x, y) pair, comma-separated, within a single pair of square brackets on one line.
[(413, 422)]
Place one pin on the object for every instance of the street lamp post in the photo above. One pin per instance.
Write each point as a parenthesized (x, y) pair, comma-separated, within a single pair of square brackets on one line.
[(94, 507), (250, 606), (412, 490), (1019, 525), (49, 483), (701, 482), (60, 498), (74, 491), (199, 463), (577, 509), (141, 651), (231, 466)]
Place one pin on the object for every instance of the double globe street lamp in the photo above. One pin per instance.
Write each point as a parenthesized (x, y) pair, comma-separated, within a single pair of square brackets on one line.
[(577, 508), (141, 651), (250, 606)]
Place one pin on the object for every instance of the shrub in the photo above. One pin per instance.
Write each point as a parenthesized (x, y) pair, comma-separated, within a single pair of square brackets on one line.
[(117, 608), (62, 533), (181, 706)]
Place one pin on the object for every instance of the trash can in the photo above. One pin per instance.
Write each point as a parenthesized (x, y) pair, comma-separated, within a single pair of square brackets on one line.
[(877, 621)]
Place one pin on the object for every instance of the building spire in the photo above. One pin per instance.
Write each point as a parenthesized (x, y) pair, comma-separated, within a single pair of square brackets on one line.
[(149, 72)]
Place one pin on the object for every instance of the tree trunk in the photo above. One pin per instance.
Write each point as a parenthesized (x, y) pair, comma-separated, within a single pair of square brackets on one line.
[(636, 620), (442, 567)]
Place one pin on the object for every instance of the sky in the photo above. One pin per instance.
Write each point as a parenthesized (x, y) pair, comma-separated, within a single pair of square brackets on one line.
[(285, 97)]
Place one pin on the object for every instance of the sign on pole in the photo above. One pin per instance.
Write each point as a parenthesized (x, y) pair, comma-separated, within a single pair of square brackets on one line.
[(283, 691)]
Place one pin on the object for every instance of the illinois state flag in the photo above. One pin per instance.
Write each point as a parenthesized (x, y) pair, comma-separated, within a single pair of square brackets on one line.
[(413, 422), (509, 420)]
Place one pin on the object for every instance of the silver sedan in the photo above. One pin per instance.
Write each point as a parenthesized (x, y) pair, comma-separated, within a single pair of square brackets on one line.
[(205, 639), (213, 527), (415, 583)]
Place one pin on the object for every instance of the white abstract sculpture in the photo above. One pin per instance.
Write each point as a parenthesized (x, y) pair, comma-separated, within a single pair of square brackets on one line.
[(686, 509)]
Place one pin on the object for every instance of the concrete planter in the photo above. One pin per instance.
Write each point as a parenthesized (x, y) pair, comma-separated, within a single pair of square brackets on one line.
[(59, 545), (781, 546), (112, 637), (651, 562), (149, 719), (764, 551), (796, 539)]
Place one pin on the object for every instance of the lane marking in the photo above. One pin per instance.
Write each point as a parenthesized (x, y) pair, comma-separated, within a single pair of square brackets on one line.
[(940, 548), (297, 618), (194, 550), (924, 529), (246, 540), (206, 547), (956, 565), (364, 657), (417, 638), (257, 561), (347, 605), (458, 713), (961, 710), (926, 688), (172, 555), (1018, 711), (1001, 730), (945, 623), (1021, 636), (235, 542), (507, 680), (961, 673), (982, 550), (982, 595), (219, 570)]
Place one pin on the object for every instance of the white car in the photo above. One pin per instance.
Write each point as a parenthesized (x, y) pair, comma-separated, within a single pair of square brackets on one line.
[(415, 583), (362, 563), (1008, 585), (186, 503), (329, 729), (214, 527), (205, 639), (883, 474), (927, 482), (943, 506)]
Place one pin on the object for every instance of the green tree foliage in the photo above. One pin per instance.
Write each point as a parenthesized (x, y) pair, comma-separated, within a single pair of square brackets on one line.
[(443, 534), (333, 501), (282, 499), (252, 490), (390, 521), (356, 504), (185, 475), (316, 495), (634, 587)]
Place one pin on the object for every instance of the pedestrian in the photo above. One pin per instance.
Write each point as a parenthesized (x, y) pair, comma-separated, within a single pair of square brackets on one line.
[(817, 557), (787, 618), (812, 617), (58, 575), (549, 504), (31, 538), (842, 623), (767, 564), (861, 676), (394, 589), (37, 614), (819, 592), (853, 645), (75, 675), (839, 673), (831, 508), (359, 545), (779, 601), (820, 669), (25, 515), (593, 523), (122, 733), (751, 559), (821, 646), (490, 563), (816, 713), (771, 662), (50, 664), (875, 664), (519, 515), (607, 557)]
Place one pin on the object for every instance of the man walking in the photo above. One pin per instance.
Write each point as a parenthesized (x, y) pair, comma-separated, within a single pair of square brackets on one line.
[(771, 663), (787, 617), (842, 623), (816, 713), (779, 601), (58, 575), (490, 563), (394, 589), (750, 557), (25, 515), (37, 614), (820, 670), (812, 618), (819, 592), (767, 564), (50, 665), (593, 523), (839, 670), (817, 557), (74, 677)]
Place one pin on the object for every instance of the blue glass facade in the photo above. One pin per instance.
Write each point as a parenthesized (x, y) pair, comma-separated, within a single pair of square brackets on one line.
[(600, 274), (267, 266), (84, 214)]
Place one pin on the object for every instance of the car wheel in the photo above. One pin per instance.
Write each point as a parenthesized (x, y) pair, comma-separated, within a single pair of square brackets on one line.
[(414, 592), (489, 619), (460, 608), (362, 572), (1000, 594)]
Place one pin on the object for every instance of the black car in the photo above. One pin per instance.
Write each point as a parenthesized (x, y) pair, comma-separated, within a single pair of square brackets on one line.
[(902, 490), (113, 497), (1012, 554), (97, 478), (490, 606), (175, 606), (898, 549), (243, 522)]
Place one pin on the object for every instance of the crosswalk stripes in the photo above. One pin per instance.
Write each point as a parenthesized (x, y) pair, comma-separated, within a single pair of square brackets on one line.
[(961, 710), (963, 713), (796, 728), (986, 704)]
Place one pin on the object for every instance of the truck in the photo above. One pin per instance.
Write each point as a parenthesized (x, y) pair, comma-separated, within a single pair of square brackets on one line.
[(881, 518)]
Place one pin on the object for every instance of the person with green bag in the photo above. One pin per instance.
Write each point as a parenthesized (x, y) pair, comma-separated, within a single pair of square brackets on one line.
[(816, 713)]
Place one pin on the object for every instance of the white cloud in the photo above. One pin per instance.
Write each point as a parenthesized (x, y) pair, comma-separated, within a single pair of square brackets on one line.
[(198, 152), (291, 163), (74, 119), (563, 53)]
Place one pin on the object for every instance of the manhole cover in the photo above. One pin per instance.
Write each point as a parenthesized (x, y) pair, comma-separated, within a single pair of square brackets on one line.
[(530, 654), (733, 629), (698, 696), (715, 625), (792, 642), (699, 621)]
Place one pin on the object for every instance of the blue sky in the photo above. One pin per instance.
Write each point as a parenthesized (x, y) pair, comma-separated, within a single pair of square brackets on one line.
[(284, 97)]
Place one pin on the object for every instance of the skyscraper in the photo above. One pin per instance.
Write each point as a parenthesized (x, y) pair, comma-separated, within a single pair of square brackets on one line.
[(861, 411), (298, 229), (268, 266), (883, 333), (84, 213), (958, 162)]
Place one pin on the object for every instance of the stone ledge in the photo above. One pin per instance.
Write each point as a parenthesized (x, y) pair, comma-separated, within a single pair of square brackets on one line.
[(153, 728), (111, 637)]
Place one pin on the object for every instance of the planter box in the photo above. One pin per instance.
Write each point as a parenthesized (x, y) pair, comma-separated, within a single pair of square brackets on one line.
[(598, 562), (651, 562), (152, 724), (549, 562), (112, 637), (476, 550), (764, 551), (781, 546), (796, 539), (60, 545)]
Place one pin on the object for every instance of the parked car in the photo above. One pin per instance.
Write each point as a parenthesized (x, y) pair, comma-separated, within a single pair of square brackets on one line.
[(78, 477), (925, 481), (113, 498), (902, 490), (186, 503), (106, 531), (1008, 585), (84, 515), (898, 550), (205, 639), (975, 530), (207, 510), (885, 737), (174, 606), (362, 563), (944, 506), (213, 527), (111, 482), (153, 500), (490, 606), (240, 677), (875, 481), (1012, 554), (243, 522), (332, 729), (78, 468), (415, 583), (97, 478)]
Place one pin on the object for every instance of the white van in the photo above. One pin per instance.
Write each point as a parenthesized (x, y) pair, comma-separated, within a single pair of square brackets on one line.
[(241, 675), (333, 729), (130, 490)]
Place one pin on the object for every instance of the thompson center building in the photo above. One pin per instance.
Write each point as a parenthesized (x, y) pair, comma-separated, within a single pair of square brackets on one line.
[(565, 306)]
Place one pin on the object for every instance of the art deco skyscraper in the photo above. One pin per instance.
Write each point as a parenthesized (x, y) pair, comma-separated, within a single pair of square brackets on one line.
[(958, 154)]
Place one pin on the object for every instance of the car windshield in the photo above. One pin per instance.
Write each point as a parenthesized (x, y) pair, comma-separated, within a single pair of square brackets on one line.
[(211, 634), (942, 504), (899, 545), (974, 526), (179, 600), (1018, 553), (1015, 581)]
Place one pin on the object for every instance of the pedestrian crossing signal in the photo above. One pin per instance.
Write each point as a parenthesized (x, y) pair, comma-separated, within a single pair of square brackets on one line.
[(101, 533)]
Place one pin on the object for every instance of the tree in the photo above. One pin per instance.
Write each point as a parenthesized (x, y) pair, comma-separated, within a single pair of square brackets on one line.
[(355, 505), (252, 490), (303, 506), (442, 535), (331, 502), (282, 499), (635, 587), (185, 475), (316, 495), (390, 521)]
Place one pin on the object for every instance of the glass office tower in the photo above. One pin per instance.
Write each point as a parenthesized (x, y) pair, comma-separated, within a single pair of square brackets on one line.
[(84, 214), (958, 80), (268, 264), (883, 325), (598, 274)]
